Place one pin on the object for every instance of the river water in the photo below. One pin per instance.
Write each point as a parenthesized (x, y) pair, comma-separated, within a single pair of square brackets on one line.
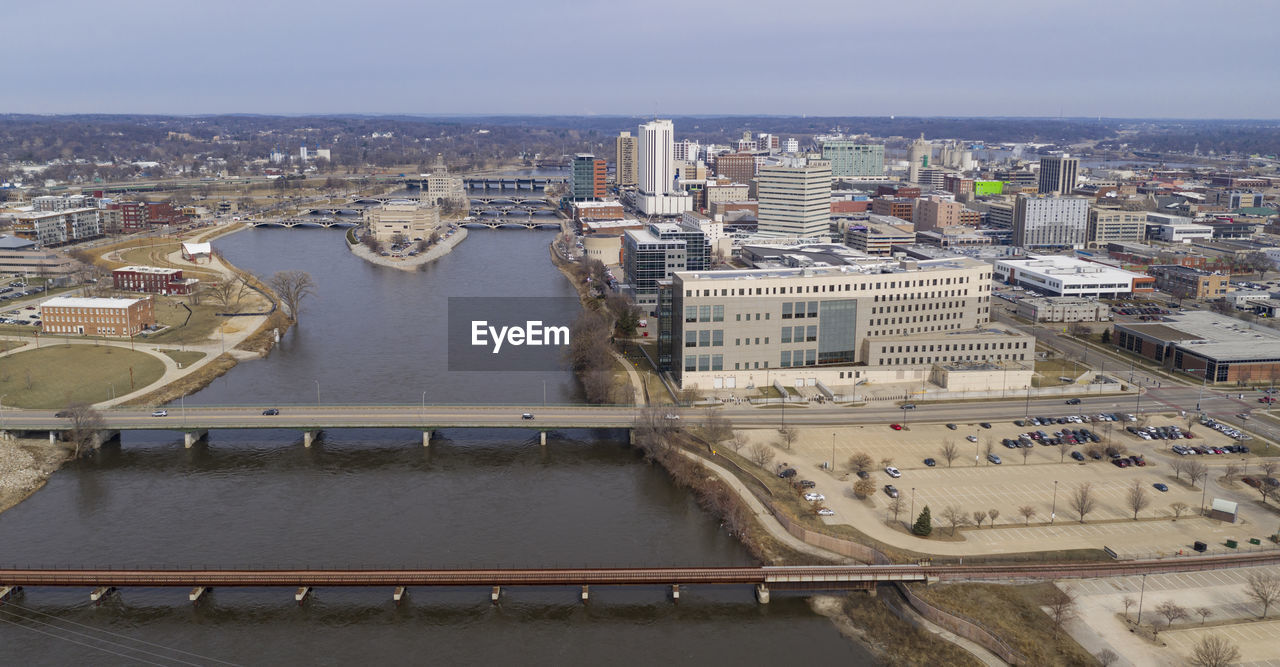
[(366, 498)]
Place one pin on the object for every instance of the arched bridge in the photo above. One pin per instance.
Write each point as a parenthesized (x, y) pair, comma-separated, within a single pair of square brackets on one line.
[(305, 222), (499, 222)]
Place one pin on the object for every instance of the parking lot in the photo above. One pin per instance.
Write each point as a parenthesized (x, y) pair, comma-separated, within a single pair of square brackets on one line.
[(1012, 484), (1220, 591)]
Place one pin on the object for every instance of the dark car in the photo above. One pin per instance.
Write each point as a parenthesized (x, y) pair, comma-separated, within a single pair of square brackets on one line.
[(952, 426), (788, 473), (806, 484), (930, 462), (984, 425), (862, 474), (63, 413), (1073, 401), (1077, 456), (1161, 487), (270, 412)]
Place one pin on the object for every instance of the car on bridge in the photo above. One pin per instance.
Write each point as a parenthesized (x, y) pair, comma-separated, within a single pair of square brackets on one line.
[(160, 413), (527, 415), (270, 412), (1073, 401)]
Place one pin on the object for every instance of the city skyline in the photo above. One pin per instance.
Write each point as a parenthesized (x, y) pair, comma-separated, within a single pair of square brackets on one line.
[(820, 58)]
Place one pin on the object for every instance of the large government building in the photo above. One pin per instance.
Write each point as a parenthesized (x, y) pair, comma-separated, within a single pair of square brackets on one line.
[(831, 324)]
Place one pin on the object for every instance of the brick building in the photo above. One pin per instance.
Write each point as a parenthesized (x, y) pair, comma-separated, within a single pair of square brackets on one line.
[(737, 167), (97, 316), (151, 279), (895, 207)]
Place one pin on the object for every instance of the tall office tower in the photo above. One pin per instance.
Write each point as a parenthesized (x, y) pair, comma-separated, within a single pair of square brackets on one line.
[(685, 151), (853, 160), (626, 160), (1047, 221), (590, 175), (1058, 175), (795, 198), (737, 167), (791, 145), (658, 195), (917, 158)]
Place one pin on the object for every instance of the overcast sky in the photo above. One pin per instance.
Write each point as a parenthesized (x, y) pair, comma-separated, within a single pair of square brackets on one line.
[(1175, 58)]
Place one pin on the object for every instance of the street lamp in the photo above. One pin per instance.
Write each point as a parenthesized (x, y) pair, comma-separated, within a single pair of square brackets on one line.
[(1141, 593), (317, 393), (832, 465), (2, 397), (424, 407), (913, 502), (1053, 509)]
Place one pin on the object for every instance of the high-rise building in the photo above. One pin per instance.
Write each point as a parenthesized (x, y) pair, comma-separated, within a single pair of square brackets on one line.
[(1113, 225), (1047, 221), (625, 175), (918, 155), (791, 145), (590, 177), (1058, 175), (656, 171), (795, 199), (853, 160), (685, 151), (935, 213), (737, 167), (646, 259)]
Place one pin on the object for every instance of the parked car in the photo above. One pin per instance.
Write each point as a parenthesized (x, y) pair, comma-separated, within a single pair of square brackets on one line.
[(806, 484), (1161, 487), (984, 425), (1077, 456), (993, 458), (952, 426), (892, 472), (930, 462), (787, 473), (891, 491), (814, 497), (822, 511), (896, 427)]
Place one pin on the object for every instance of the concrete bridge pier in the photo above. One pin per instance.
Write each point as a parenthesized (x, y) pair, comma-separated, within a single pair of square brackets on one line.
[(631, 436), (197, 593), (495, 594), (586, 593), (398, 594), (99, 593), (190, 438), (542, 438), (675, 592), (426, 438), (762, 594), (6, 591), (309, 437), (53, 437), (301, 594)]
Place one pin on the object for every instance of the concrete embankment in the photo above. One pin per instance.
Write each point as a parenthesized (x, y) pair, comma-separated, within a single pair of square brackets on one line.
[(440, 249)]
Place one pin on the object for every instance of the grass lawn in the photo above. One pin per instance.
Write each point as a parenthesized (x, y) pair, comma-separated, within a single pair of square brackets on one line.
[(198, 324), (184, 358), (64, 374), (1049, 370)]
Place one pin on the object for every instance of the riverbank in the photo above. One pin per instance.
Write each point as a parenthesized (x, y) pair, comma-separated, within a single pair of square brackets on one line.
[(440, 249), (25, 466)]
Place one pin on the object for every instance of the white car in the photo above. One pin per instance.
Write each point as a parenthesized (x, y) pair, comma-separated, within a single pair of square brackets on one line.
[(826, 512), (160, 413), (892, 472), (971, 438), (814, 497), (671, 416)]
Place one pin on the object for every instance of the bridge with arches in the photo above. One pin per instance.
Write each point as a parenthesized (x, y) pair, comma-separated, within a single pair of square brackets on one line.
[(305, 222)]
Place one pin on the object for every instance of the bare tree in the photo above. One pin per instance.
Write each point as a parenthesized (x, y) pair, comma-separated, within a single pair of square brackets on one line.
[(86, 429), (1062, 605), (1263, 589), (988, 446), (896, 505), (1179, 466), (1204, 613), (864, 487), (1128, 603), (860, 462), (1178, 509), (1196, 471), (737, 442), (954, 516), (949, 451), (760, 454), (1063, 448), (991, 515), (1214, 651), (1082, 500), (787, 435), (978, 517), (1025, 451), (1171, 611), (1106, 657), (1232, 471), (1137, 499), (715, 427), (886, 462), (292, 287), (1269, 468), (1027, 512)]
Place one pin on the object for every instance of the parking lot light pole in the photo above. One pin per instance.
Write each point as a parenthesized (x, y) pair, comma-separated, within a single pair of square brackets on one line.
[(832, 466), (1141, 593), (1053, 509), (317, 393), (913, 501)]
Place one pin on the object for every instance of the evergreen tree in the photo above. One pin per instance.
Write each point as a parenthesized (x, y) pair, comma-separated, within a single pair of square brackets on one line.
[(1106, 336), (924, 523)]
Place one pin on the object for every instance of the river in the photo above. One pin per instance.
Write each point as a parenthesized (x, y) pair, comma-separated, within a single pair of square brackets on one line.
[(378, 498)]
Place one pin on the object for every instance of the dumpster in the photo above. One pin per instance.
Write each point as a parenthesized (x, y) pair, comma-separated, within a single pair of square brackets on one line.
[(1231, 544)]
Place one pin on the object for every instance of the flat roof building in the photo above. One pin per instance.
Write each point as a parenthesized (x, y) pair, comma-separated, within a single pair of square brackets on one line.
[(1045, 221), (795, 200), (97, 316), (1206, 345), (1185, 282), (1063, 309), (1058, 275)]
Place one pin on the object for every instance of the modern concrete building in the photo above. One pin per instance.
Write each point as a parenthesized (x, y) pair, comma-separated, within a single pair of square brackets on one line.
[(1058, 275), (97, 316), (1058, 174), (918, 155), (647, 259), (656, 171), (1111, 225), (1176, 229), (854, 161), (1185, 282), (626, 174), (52, 228), (1047, 221), (878, 234), (19, 256), (1063, 309), (410, 220), (731, 327), (589, 179), (795, 199), (1206, 345)]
